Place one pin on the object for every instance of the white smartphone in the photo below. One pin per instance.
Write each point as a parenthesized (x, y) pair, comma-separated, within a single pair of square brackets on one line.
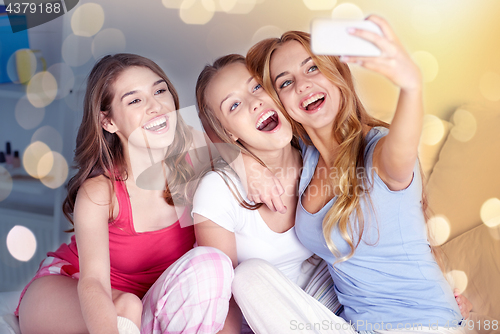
[(330, 37)]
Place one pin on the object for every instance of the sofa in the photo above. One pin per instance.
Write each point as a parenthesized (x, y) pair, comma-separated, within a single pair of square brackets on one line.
[(463, 189), (460, 158)]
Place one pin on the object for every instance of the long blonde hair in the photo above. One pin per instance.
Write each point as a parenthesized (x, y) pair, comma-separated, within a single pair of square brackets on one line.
[(347, 131)]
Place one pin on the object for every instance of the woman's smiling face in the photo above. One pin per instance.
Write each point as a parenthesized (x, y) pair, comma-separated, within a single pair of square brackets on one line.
[(246, 111), (307, 95), (143, 109)]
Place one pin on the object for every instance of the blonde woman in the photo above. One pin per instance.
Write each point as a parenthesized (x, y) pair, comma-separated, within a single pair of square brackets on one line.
[(361, 201)]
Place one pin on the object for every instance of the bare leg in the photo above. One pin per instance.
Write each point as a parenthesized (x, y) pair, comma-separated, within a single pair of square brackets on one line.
[(232, 325), (51, 305)]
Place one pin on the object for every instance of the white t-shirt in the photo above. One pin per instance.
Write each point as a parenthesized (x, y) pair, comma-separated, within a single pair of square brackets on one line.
[(254, 239)]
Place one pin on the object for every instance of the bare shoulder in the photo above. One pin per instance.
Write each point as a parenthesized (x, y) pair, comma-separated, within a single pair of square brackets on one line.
[(97, 190)]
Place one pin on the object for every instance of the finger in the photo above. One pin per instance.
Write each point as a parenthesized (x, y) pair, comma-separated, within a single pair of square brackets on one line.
[(254, 198), (381, 42), (373, 64), (456, 292), (278, 204), (268, 202), (384, 26)]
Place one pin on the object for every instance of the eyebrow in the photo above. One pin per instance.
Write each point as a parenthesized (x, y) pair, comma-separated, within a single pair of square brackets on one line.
[(305, 61), (134, 91), (230, 94)]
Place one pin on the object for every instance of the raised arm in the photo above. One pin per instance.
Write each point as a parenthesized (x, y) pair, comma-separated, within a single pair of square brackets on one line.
[(91, 230), (395, 154)]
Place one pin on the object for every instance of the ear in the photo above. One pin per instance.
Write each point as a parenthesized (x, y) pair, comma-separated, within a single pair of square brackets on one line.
[(107, 124), (233, 137)]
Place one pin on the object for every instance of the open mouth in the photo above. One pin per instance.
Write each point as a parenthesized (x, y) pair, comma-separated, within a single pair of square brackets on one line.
[(268, 121), (157, 124), (313, 102)]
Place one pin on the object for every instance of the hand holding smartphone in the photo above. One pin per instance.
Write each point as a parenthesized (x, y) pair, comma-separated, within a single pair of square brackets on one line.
[(331, 37)]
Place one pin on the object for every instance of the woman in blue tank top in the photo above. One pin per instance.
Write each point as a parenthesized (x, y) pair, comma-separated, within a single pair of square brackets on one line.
[(361, 201)]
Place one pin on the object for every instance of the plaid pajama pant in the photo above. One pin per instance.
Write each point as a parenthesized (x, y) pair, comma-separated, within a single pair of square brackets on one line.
[(191, 296)]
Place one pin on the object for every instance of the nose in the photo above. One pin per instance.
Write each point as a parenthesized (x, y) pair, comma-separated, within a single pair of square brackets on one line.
[(302, 84), (256, 104), (153, 106)]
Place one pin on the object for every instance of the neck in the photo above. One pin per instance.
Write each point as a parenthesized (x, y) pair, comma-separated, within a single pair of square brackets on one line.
[(145, 167), (324, 141), (281, 159)]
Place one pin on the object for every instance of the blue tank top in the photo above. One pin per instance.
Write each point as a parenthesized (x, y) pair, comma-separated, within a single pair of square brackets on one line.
[(392, 280)]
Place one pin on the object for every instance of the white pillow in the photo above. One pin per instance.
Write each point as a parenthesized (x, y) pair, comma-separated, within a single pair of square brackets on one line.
[(467, 173)]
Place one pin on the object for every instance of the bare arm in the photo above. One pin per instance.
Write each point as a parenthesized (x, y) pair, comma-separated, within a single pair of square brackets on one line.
[(258, 181), (210, 234), (395, 154), (91, 230)]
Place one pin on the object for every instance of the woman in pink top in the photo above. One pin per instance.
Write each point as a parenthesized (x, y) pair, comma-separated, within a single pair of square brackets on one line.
[(135, 260)]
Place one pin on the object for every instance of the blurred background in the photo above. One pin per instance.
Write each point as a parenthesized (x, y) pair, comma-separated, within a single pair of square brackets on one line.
[(455, 42)]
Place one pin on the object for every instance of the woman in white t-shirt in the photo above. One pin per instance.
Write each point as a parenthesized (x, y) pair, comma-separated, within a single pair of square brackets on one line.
[(234, 106)]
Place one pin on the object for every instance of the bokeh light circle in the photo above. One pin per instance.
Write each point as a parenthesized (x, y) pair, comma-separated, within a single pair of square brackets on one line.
[(348, 11), (27, 115), (465, 125), (42, 89), (87, 19), (5, 183), (31, 158), (489, 85), (77, 50), (108, 41), (225, 5), (458, 280), (197, 11), (433, 130), (266, 32), (490, 212), (64, 77), (320, 4), (439, 229), (21, 243), (172, 4), (49, 136), (426, 19), (242, 7), (29, 67), (58, 174), (428, 64)]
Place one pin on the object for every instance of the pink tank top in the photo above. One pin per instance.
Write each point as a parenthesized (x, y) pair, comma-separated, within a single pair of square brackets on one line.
[(137, 259)]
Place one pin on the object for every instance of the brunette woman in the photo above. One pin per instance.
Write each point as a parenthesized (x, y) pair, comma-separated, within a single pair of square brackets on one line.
[(134, 261)]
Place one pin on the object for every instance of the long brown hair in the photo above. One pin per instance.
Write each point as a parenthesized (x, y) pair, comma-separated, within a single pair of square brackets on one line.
[(209, 118), (347, 131), (99, 152)]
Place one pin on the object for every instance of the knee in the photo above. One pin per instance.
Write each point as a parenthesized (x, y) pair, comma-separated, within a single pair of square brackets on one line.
[(250, 273), (128, 306), (212, 261)]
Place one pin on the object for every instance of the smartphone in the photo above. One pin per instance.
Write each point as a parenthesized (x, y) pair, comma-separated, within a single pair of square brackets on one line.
[(330, 37)]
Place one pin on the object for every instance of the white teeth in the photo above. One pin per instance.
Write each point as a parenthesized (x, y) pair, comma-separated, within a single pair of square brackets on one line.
[(312, 99), (264, 117), (159, 121)]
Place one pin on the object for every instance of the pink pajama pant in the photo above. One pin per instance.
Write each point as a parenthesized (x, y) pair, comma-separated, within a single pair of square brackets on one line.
[(191, 296)]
